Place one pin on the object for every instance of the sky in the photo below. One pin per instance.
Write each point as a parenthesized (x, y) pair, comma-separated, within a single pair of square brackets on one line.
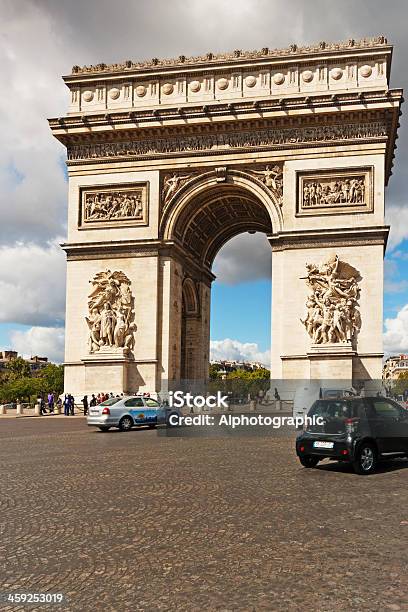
[(41, 39)]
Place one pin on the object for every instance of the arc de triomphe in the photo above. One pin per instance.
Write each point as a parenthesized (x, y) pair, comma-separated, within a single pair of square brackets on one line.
[(169, 159)]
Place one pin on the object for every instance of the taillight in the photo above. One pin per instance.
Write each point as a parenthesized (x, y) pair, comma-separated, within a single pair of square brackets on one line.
[(351, 425), (106, 411)]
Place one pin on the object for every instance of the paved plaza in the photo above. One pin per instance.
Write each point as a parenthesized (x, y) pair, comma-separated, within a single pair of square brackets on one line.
[(135, 521)]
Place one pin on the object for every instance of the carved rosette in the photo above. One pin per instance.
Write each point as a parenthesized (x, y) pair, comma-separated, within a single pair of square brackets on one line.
[(111, 312), (332, 314)]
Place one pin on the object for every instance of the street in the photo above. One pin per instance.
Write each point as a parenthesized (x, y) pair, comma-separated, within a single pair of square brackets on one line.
[(119, 521)]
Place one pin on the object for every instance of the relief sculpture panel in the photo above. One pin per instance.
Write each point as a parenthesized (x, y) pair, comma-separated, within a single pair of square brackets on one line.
[(332, 304), (110, 206), (332, 193), (110, 313)]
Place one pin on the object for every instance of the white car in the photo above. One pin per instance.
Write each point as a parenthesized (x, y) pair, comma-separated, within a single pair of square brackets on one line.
[(129, 411)]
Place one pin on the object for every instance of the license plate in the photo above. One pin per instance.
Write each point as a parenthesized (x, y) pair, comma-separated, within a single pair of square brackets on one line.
[(95, 411), (319, 444)]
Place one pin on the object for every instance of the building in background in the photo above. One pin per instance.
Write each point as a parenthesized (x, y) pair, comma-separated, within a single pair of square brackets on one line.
[(35, 362), (394, 366), (225, 367)]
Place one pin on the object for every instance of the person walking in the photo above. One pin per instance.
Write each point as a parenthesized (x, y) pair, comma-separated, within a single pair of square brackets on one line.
[(42, 406), (93, 400), (59, 405), (66, 404), (72, 404), (50, 399), (85, 404)]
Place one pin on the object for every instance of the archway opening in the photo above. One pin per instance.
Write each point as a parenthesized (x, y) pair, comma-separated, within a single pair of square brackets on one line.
[(208, 223), (240, 324)]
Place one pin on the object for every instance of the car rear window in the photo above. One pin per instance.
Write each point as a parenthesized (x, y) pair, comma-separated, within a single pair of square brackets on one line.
[(151, 403), (110, 401), (333, 409)]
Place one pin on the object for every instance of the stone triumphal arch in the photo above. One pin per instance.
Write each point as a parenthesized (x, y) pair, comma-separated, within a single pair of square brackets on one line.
[(169, 159)]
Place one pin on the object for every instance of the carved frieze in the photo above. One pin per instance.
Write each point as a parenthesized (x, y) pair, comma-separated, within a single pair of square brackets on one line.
[(110, 312), (332, 304), (114, 205), (333, 192), (256, 139)]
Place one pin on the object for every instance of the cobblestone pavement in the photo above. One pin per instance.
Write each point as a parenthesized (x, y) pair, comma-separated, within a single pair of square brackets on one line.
[(134, 521)]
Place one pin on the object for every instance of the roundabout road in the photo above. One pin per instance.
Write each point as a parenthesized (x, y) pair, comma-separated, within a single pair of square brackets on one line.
[(137, 521)]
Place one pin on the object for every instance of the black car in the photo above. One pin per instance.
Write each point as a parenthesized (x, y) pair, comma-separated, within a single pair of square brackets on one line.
[(359, 430)]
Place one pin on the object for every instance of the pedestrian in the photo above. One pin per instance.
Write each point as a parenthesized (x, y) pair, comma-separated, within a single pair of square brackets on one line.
[(99, 399), (42, 406), (50, 399), (72, 404), (66, 404), (93, 400), (85, 404), (59, 405)]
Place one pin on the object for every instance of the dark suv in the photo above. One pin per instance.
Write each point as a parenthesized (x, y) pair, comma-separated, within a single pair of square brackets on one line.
[(360, 431)]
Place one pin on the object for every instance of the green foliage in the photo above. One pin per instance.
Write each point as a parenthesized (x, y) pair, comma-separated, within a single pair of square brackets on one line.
[(241, 383), (52, 378), (214, 369), (401, 384), (17, 368), (18, 382), (24, 389)]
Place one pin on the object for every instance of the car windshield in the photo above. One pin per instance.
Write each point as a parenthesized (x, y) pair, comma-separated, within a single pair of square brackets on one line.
[(110, 401)]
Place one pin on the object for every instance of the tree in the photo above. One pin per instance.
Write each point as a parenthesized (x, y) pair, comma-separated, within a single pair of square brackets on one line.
[(17, 368), (214, 369), (24, 388), (52, 378), (400, 386)]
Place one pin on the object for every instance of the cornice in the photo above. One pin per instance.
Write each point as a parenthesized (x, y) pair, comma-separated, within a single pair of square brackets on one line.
[(111, 248), (354, 236), (238, 57), (268, 107)]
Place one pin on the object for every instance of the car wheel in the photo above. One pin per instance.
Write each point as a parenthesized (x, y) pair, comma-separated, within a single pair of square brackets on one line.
[(104, 428), (126, 423), (365, 460), (308, 461)]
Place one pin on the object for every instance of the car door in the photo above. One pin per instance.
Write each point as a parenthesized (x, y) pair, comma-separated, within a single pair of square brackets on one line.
[(387, 424), (402, 427), (153, 411), (135, 407)]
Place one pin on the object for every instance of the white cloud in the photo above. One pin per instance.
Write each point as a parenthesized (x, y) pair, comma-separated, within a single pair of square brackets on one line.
[(396, 332), (246, 257), (32, 184), (397, 218), (32, 284), (42, 341), (234, 350)]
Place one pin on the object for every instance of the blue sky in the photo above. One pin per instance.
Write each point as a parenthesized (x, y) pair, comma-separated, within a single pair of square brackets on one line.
[(242, 312), (41, 40)]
